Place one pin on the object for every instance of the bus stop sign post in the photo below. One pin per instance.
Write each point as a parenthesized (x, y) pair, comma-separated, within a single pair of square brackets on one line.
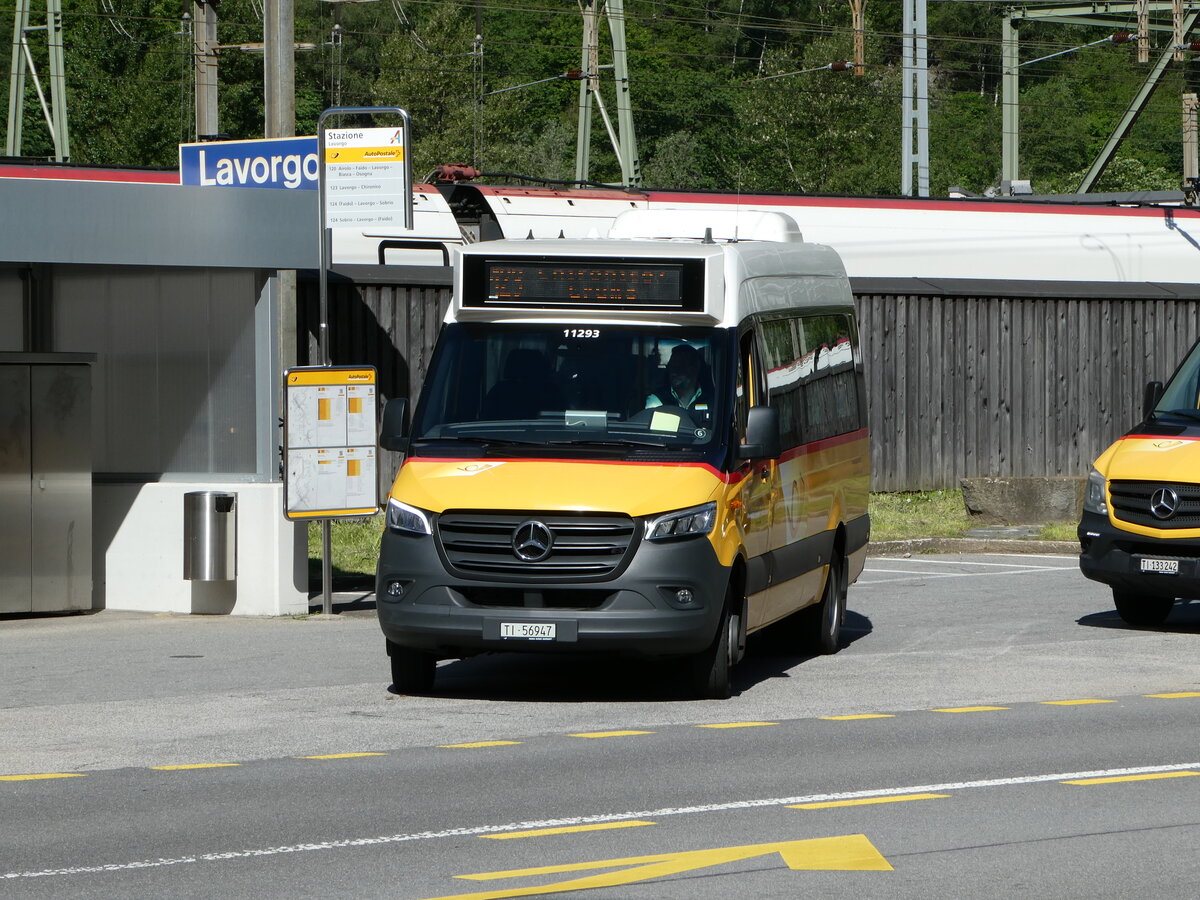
[(371, 169)]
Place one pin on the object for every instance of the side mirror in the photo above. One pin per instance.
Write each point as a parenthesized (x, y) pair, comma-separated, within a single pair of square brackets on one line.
[(393, 435), (1154, 392), (762, 434)]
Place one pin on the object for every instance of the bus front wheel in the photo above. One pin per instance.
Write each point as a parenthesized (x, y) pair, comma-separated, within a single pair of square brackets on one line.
[(412, 670), (1137, 610), (708, 671)]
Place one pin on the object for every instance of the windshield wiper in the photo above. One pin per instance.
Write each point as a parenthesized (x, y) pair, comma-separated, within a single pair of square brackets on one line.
[(1192, 414), (486, 441), (623, 442)]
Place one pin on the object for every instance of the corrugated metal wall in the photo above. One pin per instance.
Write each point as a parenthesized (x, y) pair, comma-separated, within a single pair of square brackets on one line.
[(961, 386), (958, 385)]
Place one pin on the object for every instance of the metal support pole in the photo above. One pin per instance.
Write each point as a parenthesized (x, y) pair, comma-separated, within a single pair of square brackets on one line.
[(1010, 52), (279, 68), (1143, 31), (590, 66), (325, 239), (915, 113), (16, 81), (1191, 145), (58, 81), (627, 152), (858, 24), (204, 33)]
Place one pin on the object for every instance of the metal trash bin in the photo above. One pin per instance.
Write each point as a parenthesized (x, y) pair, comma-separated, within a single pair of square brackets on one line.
[(209, 536)]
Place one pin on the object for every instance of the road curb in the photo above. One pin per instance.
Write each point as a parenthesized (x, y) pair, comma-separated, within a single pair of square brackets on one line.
[(969, 545)]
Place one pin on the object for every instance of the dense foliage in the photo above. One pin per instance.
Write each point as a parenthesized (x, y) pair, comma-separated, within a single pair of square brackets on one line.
[(705, 118)]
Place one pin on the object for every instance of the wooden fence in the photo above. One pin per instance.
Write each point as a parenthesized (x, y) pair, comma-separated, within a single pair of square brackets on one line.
[(1001, 379)]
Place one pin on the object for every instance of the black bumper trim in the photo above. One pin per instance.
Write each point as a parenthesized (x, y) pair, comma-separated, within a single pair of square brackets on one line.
[(1112, 556)]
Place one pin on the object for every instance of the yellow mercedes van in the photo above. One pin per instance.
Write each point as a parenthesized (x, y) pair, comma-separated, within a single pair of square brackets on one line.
[(1140, 530), (652, 443)]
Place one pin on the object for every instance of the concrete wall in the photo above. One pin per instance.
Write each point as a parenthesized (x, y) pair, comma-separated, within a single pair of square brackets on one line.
[(138, 552)]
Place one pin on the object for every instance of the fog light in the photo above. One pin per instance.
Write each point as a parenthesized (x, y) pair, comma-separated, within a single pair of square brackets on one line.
[(395, 588), (684, 596)]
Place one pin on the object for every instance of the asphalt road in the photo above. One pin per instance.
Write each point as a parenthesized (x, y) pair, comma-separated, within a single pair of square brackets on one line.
[(990, 729)]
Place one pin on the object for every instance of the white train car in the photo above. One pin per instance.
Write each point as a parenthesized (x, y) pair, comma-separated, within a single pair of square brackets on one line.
[(877, 237)]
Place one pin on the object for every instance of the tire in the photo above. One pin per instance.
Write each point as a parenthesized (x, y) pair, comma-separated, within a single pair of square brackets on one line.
[(708, 671), (412, 670), (1138, 610), (830, 613)]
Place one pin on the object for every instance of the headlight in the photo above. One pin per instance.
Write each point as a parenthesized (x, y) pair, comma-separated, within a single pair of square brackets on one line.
[(685, 522), (402, 517), (1093, 494)]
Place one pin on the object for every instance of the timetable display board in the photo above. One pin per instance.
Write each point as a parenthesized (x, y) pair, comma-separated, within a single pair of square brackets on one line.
[(330, 428)]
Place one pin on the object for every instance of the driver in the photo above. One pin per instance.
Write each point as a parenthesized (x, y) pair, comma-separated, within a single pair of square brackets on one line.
[(683, 378)]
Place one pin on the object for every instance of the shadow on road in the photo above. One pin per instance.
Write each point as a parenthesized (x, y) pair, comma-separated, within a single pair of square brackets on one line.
[(563, 678), (1184, 619)]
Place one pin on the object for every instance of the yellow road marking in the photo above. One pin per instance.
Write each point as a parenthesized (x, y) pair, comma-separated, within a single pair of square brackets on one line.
[(42, 776), (196, 766), (573, 829), (1175, 696), (966, 709), (1150, 777), (341, 756), (738, 725), (1072, 702), (475, 744), (859, 716), (852, 852), (866, 801), (606, 734)]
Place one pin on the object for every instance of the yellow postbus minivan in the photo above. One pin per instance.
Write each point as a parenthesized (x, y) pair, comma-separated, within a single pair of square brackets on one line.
[(1140, 530), (653, 443)]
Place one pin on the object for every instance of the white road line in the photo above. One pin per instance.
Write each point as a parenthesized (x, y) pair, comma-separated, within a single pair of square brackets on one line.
[(587, 820), (957, 562), (872, 570), (941, 575)]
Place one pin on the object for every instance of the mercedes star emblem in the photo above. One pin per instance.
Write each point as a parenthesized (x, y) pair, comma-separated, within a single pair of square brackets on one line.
[(531, 541), (1163, 503)]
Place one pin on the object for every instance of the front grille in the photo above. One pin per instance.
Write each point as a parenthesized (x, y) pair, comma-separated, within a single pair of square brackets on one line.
[(515, 598), (585, 546), (1131, 501)]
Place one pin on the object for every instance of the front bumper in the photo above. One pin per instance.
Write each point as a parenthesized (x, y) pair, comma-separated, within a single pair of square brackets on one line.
[(1114, 557), (634, 611)]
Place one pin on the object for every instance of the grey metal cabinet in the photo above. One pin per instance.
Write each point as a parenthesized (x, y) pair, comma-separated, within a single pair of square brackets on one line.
[(45, 482)]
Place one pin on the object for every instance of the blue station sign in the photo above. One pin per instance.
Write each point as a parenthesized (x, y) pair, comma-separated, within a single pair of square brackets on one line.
[(287, 163)]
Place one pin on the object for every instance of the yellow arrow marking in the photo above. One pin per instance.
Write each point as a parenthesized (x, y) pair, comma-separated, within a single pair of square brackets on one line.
[(1150, 777), (852, 852)]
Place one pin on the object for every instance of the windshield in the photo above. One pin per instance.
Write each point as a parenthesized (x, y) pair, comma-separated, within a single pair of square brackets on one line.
[(621, 386), (1182, 395)]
